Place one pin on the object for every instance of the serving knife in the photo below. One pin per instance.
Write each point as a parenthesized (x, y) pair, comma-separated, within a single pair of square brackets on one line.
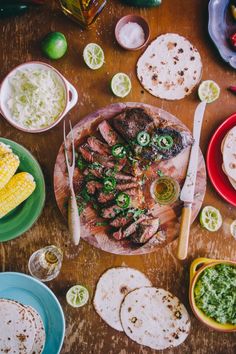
[(187, 192)]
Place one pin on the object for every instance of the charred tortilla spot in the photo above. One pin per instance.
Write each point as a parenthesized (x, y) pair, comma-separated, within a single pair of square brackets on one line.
[(123, 289), (181, 73), (192, 58), (180, 50), (171, 45), (129, 309)]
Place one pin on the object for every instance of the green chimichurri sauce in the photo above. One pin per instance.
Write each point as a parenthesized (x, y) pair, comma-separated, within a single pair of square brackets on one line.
[(215, 293)]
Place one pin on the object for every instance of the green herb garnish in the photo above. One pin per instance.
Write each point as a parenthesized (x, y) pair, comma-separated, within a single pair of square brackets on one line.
[(215, 293), (104, 223), (160, 173)]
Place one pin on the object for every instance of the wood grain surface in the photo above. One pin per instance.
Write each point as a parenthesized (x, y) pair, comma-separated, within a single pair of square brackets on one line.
[(19, 42)]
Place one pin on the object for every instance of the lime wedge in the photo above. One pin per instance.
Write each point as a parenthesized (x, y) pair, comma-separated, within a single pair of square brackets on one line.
[(77, 296), (233, 229), (121, 85), (210, 218), (93, 56), (208, 91)]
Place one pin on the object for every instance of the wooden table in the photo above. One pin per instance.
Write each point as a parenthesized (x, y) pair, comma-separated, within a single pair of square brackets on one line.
[(20, 42)]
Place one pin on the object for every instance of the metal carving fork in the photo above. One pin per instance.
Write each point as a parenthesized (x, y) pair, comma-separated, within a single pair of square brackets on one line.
[(73, 213)]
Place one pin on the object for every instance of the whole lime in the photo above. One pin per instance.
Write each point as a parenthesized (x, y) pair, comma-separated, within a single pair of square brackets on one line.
[(54, 45)]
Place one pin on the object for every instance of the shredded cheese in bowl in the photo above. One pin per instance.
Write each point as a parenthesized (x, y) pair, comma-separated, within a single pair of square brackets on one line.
[(37, 98)]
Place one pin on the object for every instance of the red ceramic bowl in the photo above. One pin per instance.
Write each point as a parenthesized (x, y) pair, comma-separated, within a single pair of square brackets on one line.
[(132, 18), (214, 162)]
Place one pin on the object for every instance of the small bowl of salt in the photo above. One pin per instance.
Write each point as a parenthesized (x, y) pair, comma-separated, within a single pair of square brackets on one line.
[(132, 32)]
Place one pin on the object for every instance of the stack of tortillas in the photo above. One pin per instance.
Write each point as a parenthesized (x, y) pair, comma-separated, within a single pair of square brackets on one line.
[(228, 149), (170, 67), (126, 300), (21, 329)]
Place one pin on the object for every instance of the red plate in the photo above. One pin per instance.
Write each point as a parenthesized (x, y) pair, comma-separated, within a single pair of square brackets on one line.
[(214, 162)]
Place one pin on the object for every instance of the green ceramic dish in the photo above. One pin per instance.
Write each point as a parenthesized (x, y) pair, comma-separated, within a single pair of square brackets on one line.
[(25, 215)]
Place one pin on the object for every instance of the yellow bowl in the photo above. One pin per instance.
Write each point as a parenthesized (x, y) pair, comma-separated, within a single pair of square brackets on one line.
[(197, 268)]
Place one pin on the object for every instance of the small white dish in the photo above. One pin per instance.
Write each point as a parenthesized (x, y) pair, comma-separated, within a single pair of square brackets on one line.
[(71, 95)]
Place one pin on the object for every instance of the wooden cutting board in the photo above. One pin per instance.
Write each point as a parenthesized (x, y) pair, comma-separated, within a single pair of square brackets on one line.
[(100, 236)]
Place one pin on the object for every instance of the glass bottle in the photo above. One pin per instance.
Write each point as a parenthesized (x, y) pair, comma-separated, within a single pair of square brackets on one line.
[(84, 12), (45, 264)]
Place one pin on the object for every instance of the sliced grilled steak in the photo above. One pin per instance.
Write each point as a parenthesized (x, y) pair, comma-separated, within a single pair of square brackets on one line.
[(92, 186), (105, 197), (108, 134), (120, 176), (125, 186), (145, 231), (133, 227), (98, 146), (181, 139), (110, 212), (86, 153), (132, 121), (118, 234), (121, 221), (95, 171), (129, 230)]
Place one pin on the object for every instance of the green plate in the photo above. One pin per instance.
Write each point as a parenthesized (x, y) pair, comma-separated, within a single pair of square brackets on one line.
[(25, 215)]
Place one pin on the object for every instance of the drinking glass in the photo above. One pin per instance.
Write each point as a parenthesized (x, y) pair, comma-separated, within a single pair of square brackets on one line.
[(45, 264)]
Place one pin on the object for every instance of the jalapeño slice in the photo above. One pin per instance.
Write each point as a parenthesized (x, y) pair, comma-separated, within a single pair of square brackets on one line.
[(109, 184), (123, 200), (118, 151), (143, 138), (164, 142)]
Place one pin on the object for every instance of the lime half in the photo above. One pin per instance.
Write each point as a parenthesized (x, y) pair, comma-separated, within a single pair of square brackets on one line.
[(121, 85), (77, 296), (93, 56), (210, 218), (208, 91), (233, 229)]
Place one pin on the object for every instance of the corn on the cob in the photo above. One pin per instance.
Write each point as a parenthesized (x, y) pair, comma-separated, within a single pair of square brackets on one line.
[(8, 164), (19, 188)]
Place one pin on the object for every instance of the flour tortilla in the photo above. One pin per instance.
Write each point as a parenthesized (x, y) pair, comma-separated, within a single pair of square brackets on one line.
[(111, 289), (170, 67), (233, 182), (155, 318), (228, 149), (17, 330), (40, 335)]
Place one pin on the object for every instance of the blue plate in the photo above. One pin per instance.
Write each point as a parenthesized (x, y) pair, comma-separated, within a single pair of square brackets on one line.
[(220, 26), (30, 291)]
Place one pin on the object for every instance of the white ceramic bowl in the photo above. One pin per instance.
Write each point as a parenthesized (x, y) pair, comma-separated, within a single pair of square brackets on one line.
[(5, 91)]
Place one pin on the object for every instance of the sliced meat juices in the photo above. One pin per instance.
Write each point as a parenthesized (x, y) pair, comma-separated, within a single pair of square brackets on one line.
[(146, 230), (132, 121), (108, 134), (98, 146)]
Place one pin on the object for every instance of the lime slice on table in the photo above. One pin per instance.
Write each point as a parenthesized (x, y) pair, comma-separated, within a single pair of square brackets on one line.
[(210, 218), (233, 229), (77, 296), (121, 85), (208, 91), (93, 56)]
